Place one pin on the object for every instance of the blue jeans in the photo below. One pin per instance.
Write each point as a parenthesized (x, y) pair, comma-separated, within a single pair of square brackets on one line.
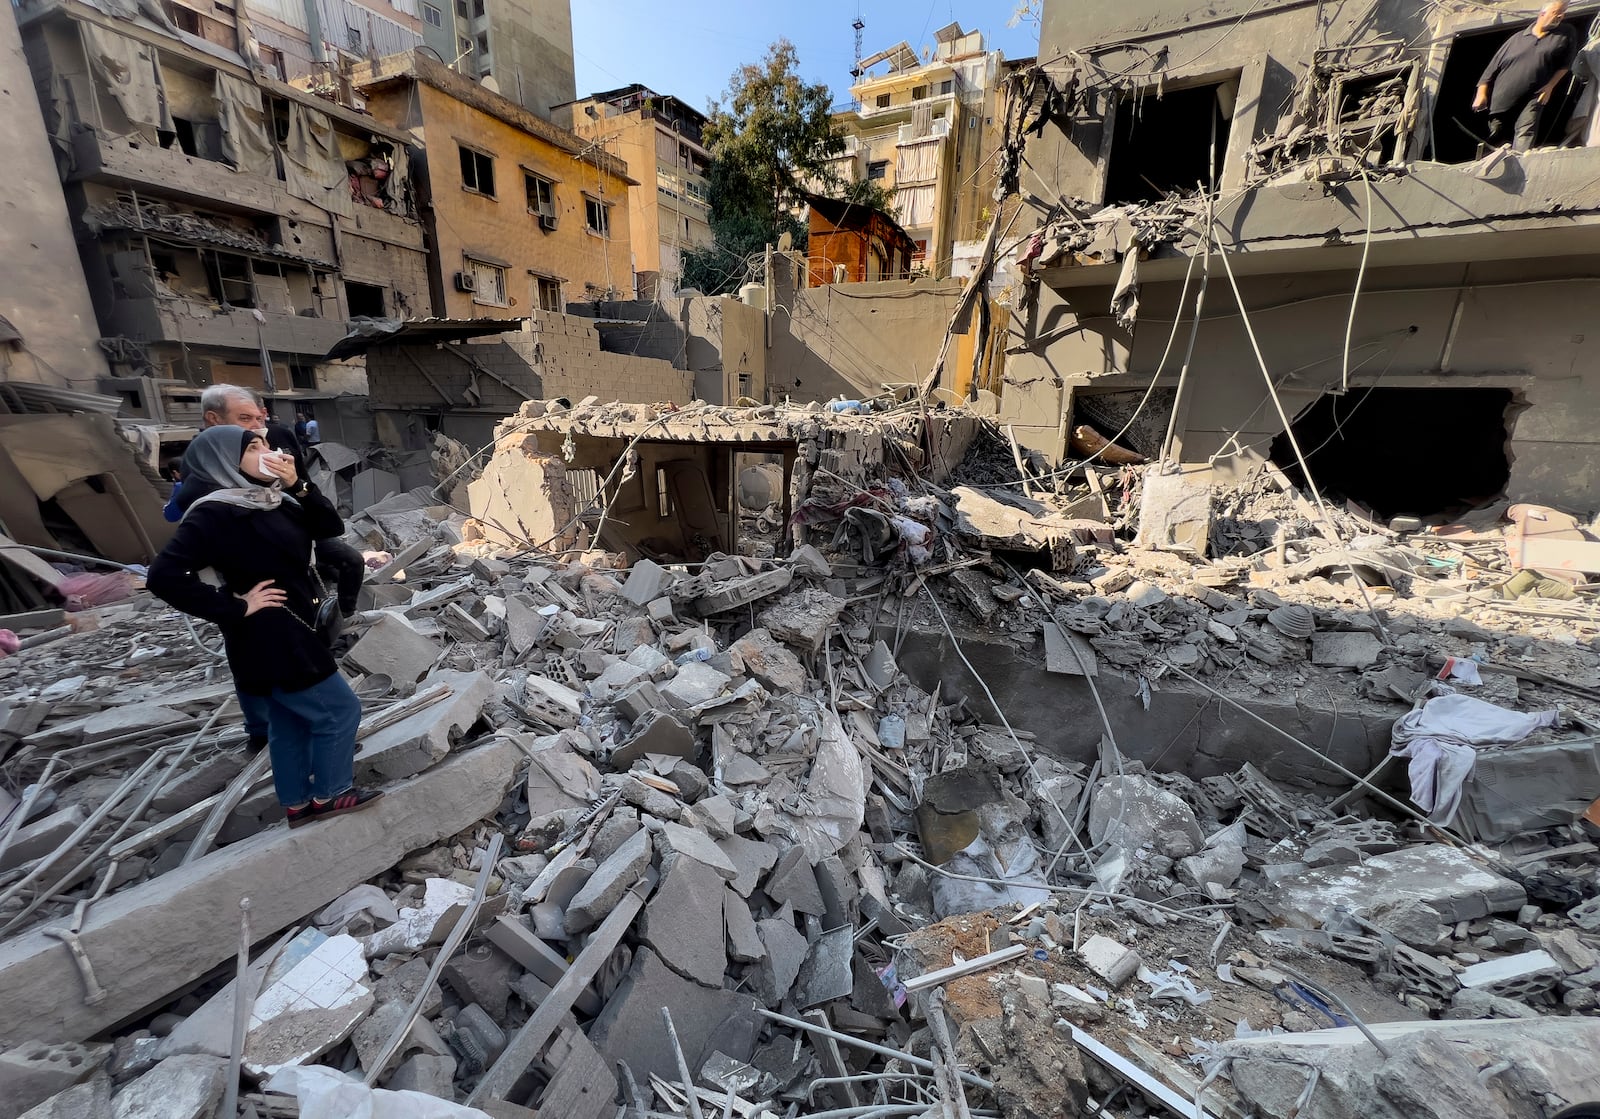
[(313, 740), (255, 708)]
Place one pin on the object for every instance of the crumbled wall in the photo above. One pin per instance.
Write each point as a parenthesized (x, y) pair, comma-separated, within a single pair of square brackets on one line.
[(523, 497)]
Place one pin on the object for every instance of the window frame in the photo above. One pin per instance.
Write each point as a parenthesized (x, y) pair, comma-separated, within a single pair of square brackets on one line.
[(591, 206), (437, 15), (877, 169), (543, 285), (545, 207), (479, 159), (497, 272)]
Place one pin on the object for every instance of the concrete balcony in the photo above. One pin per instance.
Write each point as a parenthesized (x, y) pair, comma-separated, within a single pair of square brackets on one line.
[(169, 173), (1543, 203), (197, 324)]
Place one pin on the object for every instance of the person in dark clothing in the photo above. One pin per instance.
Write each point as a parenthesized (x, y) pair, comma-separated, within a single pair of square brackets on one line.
[(1523, 74), (250, 517), (300, 426)]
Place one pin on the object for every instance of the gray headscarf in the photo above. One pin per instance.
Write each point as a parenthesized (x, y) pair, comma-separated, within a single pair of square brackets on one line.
[(211, 464)]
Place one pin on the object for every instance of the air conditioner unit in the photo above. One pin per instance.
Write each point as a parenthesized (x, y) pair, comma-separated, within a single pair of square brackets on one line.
[(466, 281), (547, 221)]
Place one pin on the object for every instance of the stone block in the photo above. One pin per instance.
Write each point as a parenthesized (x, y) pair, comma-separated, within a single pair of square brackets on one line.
[(425, 738), (610, 881), (402, 984), (657, 732), (429, 1073), (826, 973), (1134, 811), (769, 661), (164, 939), (786, 951), (694, 844), (482, 974), (647, 580), (89, 1100), (372, 1036), (638, 701), (751, 859), (38, 839), (186, 1087), (695, 683), (734, 593), (744, 940), (394, 649), (1514, 976), (794, 882)]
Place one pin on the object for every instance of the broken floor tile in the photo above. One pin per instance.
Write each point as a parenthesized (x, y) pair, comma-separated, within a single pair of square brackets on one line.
[(311, 1009)]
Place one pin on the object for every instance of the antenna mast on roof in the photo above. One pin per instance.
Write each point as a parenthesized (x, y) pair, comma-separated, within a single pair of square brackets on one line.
[(859, 25)]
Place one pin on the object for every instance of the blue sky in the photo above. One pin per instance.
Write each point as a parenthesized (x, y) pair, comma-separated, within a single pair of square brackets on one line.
[(689, 48)]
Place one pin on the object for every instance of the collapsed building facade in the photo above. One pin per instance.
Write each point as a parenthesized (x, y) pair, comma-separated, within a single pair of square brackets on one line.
[(1315, 174)]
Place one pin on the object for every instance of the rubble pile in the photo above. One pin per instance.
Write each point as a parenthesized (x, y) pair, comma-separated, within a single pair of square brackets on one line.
[(688, 838)]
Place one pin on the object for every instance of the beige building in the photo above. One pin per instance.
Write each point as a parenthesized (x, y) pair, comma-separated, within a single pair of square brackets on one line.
[(925, 130), (659, 138)]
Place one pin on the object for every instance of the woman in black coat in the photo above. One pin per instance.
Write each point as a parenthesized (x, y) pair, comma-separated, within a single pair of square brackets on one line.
[(250, 517)]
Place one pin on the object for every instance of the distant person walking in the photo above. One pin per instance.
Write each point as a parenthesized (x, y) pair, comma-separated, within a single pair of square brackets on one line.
[(313, 434), (1523, 75), (251, 518), (300, 426)]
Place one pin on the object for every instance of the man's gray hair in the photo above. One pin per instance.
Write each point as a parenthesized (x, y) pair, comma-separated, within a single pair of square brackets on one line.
[(216, 397)]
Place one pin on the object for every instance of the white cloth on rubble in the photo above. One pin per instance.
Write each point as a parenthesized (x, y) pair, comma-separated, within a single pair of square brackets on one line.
[(1441, 738)]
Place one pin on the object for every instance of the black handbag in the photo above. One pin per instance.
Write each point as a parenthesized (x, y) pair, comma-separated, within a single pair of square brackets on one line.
[(330, 621)]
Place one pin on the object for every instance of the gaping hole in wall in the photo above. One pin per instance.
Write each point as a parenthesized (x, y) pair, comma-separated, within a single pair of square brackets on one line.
[(1422, 452), (1169, 144), (1458, 130), (1108, 413), (758, 492), (364, 300), (1369, 115)]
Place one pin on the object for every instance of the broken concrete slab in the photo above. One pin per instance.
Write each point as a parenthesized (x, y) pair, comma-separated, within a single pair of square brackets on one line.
[(429, 1073), (89, 1100), (707, 1021), (372, 1036), (426, 737), (786, 951), (694, 844), (393, 648), (444, 900), (742, 591), (695, 683), (751, 859), (802, 618), (186, 1087), (162, 940), (312, 1008), (683, 921), (744, 940), (1115, 963), (1133, 811), (42, 836), (545, 965), (794, 882), (608, 883), (1433, 1070), (1348, 649), (826, 973), (647, 581), (1445, 879), (658, 732), (769, 661)]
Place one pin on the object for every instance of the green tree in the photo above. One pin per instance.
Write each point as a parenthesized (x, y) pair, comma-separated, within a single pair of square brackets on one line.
[(769, 138)]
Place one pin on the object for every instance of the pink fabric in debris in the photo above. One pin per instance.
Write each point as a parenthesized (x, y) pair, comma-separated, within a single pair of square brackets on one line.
[(88, 590)]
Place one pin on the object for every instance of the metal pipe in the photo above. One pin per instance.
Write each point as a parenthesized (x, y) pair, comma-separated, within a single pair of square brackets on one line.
[(881, 1050)]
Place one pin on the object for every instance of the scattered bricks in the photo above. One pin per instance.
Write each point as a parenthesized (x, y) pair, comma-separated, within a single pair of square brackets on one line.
[(41, 837), (695, 683), (741, 592), (1112, 581), (973, 590), (660, 610), (394, 649), (638, 700), (556, 704), (1424, 974), (482, 974), (802, 618), (1113, 962), (744, 940), (1570, 951), (32, 1073), (656, 732), (1357, 949), (770, 662), (1349, 649), (631, 634), (1518, 976), (425, 738), (610, 881), (794, 882), (694, 844), (683, 921)]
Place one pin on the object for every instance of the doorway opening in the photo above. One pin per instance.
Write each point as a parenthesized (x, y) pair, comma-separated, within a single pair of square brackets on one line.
[(1422, 452), (1170, 144), (1458, 130)]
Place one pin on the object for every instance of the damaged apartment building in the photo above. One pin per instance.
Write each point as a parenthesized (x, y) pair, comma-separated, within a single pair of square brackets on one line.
[(228, 224), (1279, 218)]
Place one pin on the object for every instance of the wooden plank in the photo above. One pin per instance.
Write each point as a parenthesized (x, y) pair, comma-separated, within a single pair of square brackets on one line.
[(582, 1086), (531, 1038)]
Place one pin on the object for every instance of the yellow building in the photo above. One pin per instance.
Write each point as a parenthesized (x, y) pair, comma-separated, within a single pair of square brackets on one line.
[(924, 130), (520, 213), (659, 139)]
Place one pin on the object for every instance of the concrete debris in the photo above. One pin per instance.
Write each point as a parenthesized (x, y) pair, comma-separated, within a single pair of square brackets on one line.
[(782, 794)]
